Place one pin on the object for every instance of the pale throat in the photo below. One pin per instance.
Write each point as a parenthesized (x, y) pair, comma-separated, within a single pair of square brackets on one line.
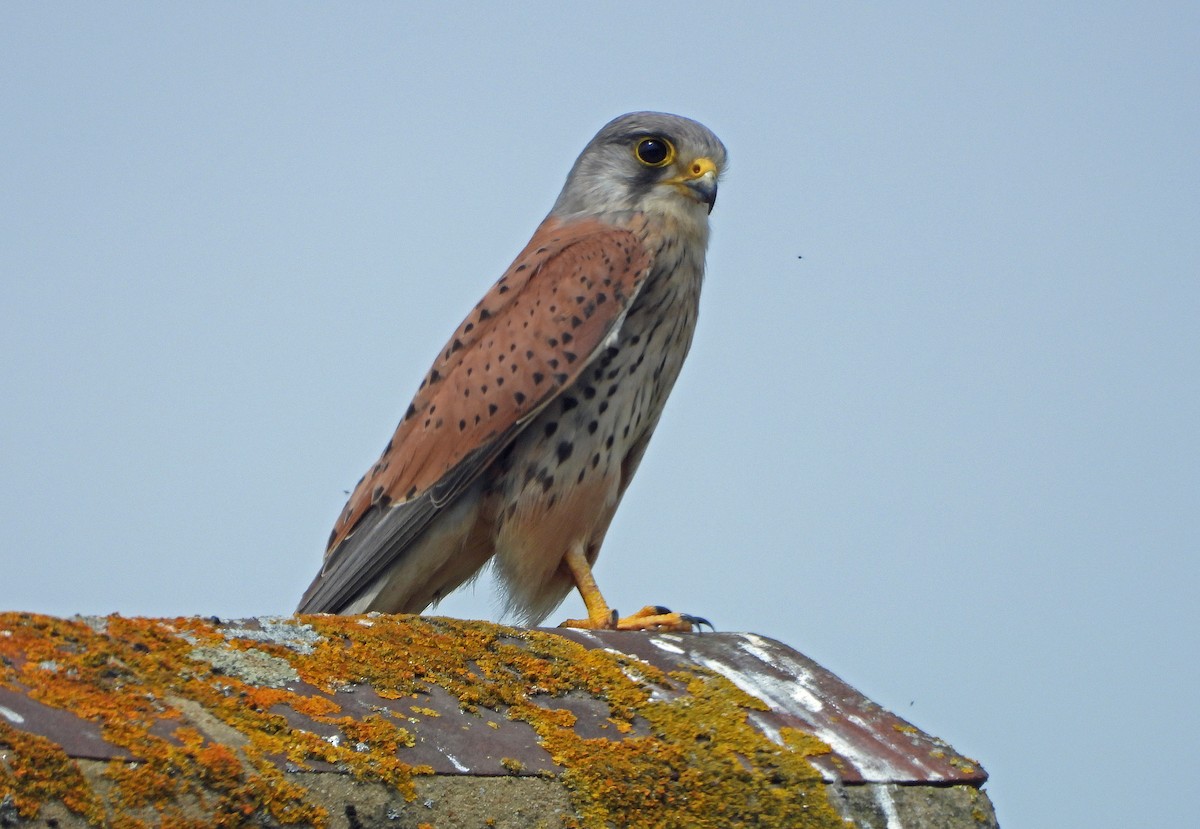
[(677, 229)]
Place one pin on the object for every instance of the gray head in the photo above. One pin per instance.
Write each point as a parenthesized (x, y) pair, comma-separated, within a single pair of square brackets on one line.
[(648, 162)]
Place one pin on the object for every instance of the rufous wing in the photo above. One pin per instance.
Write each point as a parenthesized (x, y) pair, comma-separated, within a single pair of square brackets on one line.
[(525, 342)]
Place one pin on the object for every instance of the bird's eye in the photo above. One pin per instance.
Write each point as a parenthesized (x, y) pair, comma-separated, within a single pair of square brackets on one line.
[(654, 151)]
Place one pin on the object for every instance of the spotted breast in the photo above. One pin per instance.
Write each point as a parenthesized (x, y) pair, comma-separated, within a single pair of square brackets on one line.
[(566, 473)]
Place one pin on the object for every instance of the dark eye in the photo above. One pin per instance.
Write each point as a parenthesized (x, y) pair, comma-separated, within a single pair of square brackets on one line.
[(654, 151)]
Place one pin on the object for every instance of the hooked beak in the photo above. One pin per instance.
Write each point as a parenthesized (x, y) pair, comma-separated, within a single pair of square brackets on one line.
[(700, 181)]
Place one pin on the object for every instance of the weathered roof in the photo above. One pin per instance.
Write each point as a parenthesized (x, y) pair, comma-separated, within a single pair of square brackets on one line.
[(868, 744), (202, 714)]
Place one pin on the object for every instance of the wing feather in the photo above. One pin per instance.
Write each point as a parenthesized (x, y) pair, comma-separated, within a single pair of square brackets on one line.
[(522, 345)]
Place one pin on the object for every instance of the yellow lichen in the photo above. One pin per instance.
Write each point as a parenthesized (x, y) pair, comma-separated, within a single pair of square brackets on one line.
[(702, 765), (963, 764), (683, 751)]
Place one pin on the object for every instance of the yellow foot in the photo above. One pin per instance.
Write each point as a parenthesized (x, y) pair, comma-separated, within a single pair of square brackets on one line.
[(650, 617)]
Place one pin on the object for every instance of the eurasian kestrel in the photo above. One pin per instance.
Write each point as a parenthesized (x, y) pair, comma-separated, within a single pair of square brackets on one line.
[(529, 426)]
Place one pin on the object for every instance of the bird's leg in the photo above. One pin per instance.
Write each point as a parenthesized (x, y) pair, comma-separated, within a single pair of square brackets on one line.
[(601, 616)]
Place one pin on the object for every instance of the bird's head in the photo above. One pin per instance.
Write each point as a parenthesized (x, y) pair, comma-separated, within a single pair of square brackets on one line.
[(646, 162)]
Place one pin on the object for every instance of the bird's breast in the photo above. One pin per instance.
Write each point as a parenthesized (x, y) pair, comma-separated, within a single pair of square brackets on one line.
[(582, 439), (560, 483)]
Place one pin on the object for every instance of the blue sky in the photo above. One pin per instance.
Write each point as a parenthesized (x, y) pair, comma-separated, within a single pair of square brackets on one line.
[(951, 453)]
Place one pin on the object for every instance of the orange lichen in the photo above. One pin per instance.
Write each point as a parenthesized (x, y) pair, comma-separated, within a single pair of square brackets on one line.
[(34, 770), (121, 679), (683, 751)]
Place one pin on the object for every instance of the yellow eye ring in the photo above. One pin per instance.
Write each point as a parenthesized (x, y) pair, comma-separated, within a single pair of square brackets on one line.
[(654, 151)]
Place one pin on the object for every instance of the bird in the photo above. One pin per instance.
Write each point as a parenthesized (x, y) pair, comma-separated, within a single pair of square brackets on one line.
[(526, 431)]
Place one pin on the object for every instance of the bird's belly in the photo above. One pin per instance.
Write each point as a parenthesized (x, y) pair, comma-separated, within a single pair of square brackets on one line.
[(566, 472)]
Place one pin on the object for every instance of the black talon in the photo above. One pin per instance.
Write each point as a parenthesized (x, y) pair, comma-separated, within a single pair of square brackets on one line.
[(698, 621)]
